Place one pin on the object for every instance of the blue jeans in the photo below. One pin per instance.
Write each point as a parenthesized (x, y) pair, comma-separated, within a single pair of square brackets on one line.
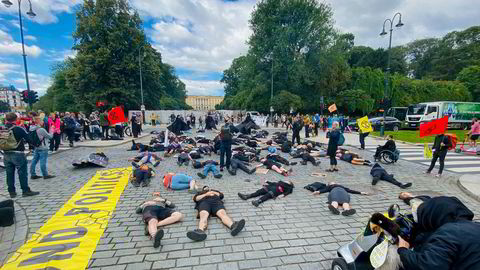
[(39, 155), (225, 150), (180, 181), (16, 160), (210, 167)]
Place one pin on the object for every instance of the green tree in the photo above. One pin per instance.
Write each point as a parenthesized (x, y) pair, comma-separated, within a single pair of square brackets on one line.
[(4, 106), (286, 100), (470, 77)]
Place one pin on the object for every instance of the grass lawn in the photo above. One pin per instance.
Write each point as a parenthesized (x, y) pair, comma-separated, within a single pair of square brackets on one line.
[(413, 135)]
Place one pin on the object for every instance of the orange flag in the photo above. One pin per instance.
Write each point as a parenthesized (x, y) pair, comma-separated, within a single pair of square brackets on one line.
[(332, 108)]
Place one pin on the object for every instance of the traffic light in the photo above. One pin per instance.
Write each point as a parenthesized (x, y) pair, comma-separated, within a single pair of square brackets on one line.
[(25, 96), (32, 97)]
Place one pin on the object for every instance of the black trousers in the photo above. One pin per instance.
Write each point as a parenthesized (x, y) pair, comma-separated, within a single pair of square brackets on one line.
[(386, 177), (436, 155), (70, 134), (307, 157), (296, 136), (333, 160), (237, 164), (362, 139), (55, 142), (265, 195), (105, 131), (7, 213), (279, 159), (225, 150), (316, 128), (306, 131)]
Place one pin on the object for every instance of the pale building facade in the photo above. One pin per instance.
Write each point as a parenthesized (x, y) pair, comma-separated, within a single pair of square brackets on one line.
[(12, 97), (203, 103)]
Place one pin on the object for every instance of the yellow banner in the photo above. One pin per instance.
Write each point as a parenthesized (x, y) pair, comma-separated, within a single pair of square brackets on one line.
[(364, 125), (69, 238)]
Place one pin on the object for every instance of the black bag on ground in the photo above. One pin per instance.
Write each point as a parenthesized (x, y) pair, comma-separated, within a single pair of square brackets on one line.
[(314, 186)]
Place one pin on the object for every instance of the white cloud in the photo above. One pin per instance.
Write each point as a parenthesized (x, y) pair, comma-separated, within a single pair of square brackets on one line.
[(203, 87), (426, 18), (29, 37), (13, 74), (10, 46), (201, 35), (58, 56), (46, 10)]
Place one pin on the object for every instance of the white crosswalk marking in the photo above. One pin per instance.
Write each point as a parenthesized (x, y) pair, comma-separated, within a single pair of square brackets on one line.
[(454, 162)]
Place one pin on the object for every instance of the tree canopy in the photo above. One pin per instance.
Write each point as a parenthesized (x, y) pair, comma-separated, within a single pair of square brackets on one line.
[(295, 47), (109, 41)]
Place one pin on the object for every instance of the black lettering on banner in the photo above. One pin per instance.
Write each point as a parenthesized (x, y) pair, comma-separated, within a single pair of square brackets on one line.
[(99, 199), (112, 185), (101, 193), (49, 254), (101, 189), (79, 232), (113, 178), (81, 210), (111, 173)]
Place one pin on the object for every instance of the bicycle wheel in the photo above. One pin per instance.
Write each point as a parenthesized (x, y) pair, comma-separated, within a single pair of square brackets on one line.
[(128, 131)]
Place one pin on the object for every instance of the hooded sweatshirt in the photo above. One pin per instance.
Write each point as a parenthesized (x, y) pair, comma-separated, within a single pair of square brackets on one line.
[(453, 243)]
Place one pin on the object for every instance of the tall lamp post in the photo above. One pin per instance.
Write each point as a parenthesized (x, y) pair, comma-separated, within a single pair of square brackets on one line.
[(271, 94), (387, 73), (142, 107), (31, 14)]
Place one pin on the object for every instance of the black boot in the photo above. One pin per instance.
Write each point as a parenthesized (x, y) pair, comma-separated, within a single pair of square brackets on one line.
[(201, 175), (243, 196), (256, 203), (375, 180)]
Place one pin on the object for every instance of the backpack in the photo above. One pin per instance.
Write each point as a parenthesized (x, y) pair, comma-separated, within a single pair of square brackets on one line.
[(34, 139), (453, 139), (7, 140), (341, 140), (225, 133)]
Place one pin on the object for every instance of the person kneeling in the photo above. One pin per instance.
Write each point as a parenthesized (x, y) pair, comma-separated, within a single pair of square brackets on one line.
[(210, 202), (158, 213)]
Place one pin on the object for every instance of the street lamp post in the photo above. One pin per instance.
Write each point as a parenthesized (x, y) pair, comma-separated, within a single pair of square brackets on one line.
[(142, 107), (31, 14), (271, 94), (387, 73)]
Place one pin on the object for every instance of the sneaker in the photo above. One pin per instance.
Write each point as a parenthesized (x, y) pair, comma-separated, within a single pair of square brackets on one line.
[(30, 193), (243, 196), (348, 212), (407, 185), (33, 177), (156, 239), (333, 210), (221, 169), (427, 172), (375, 181), (438, 175), (13, 194), (197, 235), (49, 176), (293, 163), (201, 175), (256, 203), (237, 227), (71, 145), (218, 176)]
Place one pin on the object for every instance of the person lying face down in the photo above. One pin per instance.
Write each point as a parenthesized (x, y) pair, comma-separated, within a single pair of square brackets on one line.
[(453, 240), (209, 202), (338, 196), (270, 190), (158, 212)]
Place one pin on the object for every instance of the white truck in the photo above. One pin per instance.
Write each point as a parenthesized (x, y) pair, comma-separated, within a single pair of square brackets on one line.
[(460, 114)]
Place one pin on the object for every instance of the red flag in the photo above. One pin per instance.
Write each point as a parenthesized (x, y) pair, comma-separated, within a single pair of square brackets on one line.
[(435, 127), (116, 115)]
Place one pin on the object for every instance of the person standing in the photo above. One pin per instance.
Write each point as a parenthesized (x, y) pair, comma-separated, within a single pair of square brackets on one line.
[(16, 159), (440, 148), (153, 118), (306, 123), (54, 129), (135, 126), (333, 135), (296, 128), (474, 133), (40, 153), (316, 122), (105, 125), (362, 136), (70, 125), (225, 146)]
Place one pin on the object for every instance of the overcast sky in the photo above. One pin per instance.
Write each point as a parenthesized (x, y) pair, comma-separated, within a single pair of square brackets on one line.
[(200, 38)]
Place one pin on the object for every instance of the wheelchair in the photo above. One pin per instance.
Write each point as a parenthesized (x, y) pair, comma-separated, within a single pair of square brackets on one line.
[(387, 156)]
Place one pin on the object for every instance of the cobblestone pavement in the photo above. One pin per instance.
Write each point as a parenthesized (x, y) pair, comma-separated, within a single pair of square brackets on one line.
[(296, 232)]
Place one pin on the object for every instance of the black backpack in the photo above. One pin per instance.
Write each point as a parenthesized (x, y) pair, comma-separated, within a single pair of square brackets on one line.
[(34, 139), (225, 133)]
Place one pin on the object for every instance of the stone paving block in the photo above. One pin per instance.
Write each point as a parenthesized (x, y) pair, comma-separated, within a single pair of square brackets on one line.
[(255, 254), (115, 267), (155, 257), (205, 267), (187, 261), (131, 259), (270, 262), (139, 266), (165, 264), (124, 245), (103, 254), (208, 259), (293, 259), (105, 262), (228, 266), (200, 252), (124, 252), (249, 264), (237, 256), (178, 254), (289, 267)]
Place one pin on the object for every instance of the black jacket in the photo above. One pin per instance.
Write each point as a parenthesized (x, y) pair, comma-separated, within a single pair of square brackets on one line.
[(454, 241), (437, 143), (333, 136), (329, 188)]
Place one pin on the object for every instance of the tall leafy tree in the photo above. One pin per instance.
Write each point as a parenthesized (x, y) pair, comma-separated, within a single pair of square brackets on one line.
[(470, 77)]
